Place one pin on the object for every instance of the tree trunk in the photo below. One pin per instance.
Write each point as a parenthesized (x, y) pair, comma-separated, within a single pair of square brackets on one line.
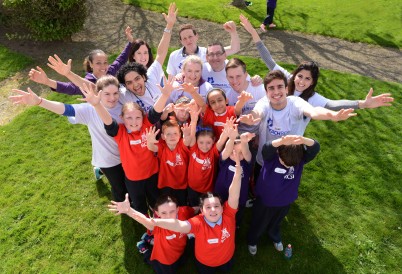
[(239, 3)]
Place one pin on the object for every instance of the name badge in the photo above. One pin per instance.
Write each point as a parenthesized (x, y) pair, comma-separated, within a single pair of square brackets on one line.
[(171, 237), (219, 124), (280, 170), (232, 168), (213, 241), (135, 142)]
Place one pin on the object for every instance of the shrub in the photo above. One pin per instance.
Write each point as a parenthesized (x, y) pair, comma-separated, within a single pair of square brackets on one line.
[(48, 20)]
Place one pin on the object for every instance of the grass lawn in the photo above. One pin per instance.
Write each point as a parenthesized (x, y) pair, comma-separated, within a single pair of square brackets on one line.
[(369, 21), (346, 220), (11, 62)]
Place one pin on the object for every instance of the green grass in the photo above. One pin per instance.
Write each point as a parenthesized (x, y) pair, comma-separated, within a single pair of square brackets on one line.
[(369, 21), (11, 62), (346, 220)]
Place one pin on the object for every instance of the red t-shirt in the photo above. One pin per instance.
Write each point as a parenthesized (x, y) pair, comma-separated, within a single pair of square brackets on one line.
[(217, 121), (173, 165), (138, 161), (202, 169), (169, 245), (214, 246)]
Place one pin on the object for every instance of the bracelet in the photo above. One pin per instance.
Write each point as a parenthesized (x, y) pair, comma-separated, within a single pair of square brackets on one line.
[(40, 102), (167, 30)]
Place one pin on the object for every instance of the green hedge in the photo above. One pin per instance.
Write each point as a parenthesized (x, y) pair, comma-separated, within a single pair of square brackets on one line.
[(48, 20)]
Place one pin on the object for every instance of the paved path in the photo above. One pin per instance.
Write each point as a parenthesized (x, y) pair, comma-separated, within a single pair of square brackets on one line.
[(104, 29)]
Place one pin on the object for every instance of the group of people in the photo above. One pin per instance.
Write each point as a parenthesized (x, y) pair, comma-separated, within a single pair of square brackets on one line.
[(180, 150)]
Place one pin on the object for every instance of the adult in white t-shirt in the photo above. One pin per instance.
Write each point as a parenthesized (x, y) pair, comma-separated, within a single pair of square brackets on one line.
[(279, 115), (189, 38)]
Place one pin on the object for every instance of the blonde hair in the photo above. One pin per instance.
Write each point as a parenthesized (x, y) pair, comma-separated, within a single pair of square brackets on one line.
[(105, 81), (192, 59), (131, 106)]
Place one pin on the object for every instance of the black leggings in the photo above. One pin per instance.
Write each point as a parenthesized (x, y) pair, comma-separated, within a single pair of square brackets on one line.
[(116, 176), (143, 193)]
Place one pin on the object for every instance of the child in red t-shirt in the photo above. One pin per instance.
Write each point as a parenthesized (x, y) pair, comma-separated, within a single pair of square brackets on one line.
[(216, 111), (173, 155), (214, 229), (168, 248), (139, 164), (204, 155)]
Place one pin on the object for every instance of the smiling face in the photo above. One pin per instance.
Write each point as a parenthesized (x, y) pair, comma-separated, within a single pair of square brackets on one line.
[(212, 209), (192, 73), (189, 40), (99, 65), (168, 210), (135, 83), (132, 119), (205, 143), (303, 80), (276, 92), (142, 55), (237, 79), (181, 114), (216, 57), (217, 101), (171, 135), (110, 96)]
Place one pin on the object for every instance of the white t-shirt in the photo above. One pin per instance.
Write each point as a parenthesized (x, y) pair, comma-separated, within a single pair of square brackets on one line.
[(216, 78), (177, 57), (105, 152), (152, 92), (277, 123), (258, 92), (176, 94)]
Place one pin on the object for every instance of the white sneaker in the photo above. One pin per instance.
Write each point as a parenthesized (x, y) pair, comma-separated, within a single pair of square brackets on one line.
[(252, 249), (278, 246)]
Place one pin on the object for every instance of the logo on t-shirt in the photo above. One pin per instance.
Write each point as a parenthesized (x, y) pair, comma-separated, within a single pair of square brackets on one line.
[(143, 140), (179, 161), (225, 234), (290, 174), (211, 80)]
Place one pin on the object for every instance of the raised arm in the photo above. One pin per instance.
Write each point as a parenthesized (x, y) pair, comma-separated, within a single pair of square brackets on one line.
[(319, 113), (241, 101), (245, 149), (234, 188), (151, 139), (31, 99), (253, 118), (188, 87), (189, 138), (94, 100), (39, 76), (173, 225), (124, 208), (234, 47), (230, 131), (61, 68), (163, 46)]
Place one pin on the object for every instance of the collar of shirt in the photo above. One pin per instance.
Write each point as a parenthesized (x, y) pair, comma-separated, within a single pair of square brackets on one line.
[(211, 224), (184, 54), (222, 114)]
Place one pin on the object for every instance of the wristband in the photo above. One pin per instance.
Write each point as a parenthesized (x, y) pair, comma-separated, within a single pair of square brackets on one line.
[(167, 30)]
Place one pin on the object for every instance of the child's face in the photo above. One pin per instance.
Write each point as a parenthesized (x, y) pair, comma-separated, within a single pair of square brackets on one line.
[(303, 80), (141, 56), (99, 65), (171, 135), (168, 211), (237, 148), (181, 114), (135, 83), (217, 102), (205, 143), (212, 209), (132, 119), (110, 96), (192, 73)]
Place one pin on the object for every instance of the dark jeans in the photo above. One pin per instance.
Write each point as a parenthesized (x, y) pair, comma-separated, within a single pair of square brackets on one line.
[(116, 176), (268, 219), (204, 269), (270, 13), (143, 193)]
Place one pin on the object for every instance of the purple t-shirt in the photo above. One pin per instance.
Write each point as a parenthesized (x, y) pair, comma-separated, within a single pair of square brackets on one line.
[(225, 177)]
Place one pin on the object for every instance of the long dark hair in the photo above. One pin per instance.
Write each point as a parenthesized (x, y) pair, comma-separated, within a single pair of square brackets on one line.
[(135, 46), (315, 73)]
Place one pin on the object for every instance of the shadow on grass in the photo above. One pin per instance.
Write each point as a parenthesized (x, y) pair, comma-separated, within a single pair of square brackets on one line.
[(381, 40)]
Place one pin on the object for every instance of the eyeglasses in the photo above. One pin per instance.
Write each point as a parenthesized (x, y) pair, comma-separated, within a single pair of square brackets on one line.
[(215, 54)]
